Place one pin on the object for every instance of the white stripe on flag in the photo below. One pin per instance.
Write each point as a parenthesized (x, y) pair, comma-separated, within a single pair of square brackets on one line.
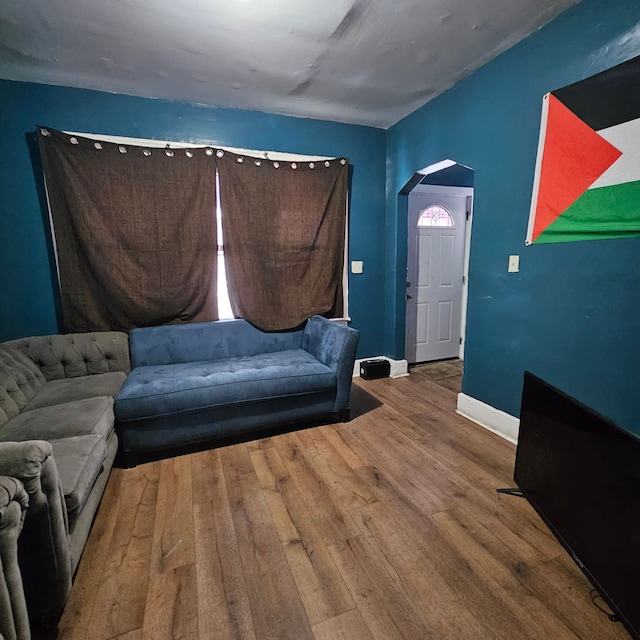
[(626, 138)]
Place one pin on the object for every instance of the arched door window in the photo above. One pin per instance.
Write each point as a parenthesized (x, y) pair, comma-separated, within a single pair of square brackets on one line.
[(436, 216)]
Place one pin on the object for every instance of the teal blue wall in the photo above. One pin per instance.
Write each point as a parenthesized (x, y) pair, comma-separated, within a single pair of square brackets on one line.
[(570, 314), (27, 302)]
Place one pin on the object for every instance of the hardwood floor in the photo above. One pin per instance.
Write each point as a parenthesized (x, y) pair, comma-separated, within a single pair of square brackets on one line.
[(386, 527)]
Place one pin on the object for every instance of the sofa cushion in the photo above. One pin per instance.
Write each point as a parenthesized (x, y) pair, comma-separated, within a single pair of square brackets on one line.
[(72, 389), (79, 460), (205, 341), (20, 380), (83, 417), (165, 389), (74, 355)]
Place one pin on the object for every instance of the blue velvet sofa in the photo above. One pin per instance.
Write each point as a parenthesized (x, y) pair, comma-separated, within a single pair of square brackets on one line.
[(196, 382)]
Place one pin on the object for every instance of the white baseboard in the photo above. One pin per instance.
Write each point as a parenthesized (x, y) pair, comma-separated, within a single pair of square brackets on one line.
[(399, 368), (499, 422)]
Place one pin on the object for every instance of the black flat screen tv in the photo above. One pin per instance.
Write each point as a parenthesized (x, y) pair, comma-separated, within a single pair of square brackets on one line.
[(581, 473)]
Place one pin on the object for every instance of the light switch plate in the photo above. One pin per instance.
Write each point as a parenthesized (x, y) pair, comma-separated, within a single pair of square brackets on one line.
[(514, 264), (357, 266)]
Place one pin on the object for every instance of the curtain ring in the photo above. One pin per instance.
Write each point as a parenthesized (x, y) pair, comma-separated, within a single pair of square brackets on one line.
[(343, 161), (97, 145), (169, 152), (311, 165), (45, 132), (276, 164), (73, 140), (122, 149), (146, 152), (327, 163), (240, 160), (294, 165), (188, 153), (258, 163)]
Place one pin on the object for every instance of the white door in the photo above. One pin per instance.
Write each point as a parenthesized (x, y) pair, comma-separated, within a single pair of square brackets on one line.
[(435, 267)]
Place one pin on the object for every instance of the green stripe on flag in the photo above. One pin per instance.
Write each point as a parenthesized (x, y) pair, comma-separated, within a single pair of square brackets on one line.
[(598, 214)]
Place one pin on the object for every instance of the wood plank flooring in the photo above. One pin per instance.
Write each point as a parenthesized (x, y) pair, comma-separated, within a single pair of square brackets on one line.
[(386, 527)]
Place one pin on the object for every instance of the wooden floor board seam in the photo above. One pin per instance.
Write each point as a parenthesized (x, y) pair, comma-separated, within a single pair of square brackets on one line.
[(386, 527)]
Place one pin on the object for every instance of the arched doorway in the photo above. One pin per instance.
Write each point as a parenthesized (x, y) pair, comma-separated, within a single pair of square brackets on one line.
[(439, 208)]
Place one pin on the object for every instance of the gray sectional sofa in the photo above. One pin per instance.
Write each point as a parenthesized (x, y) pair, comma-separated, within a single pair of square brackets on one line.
[(196, 382), (14, 621), (57, 437)]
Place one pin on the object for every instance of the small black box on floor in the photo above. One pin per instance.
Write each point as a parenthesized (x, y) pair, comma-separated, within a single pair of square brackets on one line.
[(372, 369)]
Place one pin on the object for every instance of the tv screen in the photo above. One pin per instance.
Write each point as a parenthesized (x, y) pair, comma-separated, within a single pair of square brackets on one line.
[(581, 473)]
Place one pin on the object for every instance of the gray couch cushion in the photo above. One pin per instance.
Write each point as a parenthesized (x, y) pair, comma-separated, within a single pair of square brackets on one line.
[(83, 417), (76, 354), (20, 380), (164, 389), (79, 460), (71, 389)]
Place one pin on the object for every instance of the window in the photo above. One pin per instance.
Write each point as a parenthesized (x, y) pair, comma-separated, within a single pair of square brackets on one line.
[(436, 216), (223, 302)]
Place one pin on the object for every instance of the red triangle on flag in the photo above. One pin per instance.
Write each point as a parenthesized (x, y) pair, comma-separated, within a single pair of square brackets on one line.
[(574, 157)]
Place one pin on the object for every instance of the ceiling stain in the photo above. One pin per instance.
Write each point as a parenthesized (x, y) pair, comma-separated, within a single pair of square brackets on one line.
[(369, 62)]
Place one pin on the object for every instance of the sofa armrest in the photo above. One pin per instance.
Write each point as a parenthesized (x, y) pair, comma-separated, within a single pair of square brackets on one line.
[(44, 544), (334, 345), (12, 490), (73, 355), (31, 463), (14, 620)]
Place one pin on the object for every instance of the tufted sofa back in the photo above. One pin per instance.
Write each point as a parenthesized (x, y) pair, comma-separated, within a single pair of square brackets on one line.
[(27, 364), (20, 380)]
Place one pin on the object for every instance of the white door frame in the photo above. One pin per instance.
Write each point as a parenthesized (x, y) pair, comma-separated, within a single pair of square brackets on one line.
[(455, 191)]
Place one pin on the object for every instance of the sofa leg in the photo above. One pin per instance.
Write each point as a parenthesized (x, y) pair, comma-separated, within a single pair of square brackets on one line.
[(345, 414), (44, 629), (129, 459)]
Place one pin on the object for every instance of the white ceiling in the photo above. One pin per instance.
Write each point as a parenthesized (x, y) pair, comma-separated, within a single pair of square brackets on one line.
[(358, 61)]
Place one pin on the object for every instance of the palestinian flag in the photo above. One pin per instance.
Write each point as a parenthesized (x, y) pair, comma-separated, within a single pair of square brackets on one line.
[(587, 180)]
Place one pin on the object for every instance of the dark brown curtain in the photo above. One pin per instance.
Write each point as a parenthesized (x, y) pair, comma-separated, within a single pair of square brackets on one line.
[(283, 228), (135, 232)]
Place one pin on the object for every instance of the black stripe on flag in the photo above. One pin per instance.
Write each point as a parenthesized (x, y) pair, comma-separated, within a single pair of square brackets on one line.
[(606, 99)]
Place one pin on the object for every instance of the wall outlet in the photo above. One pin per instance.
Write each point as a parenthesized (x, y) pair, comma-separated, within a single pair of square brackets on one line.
[(357, 266), (514, 264)]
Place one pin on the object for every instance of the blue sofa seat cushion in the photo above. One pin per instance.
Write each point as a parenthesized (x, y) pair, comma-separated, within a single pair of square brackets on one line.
[(156, 390)]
